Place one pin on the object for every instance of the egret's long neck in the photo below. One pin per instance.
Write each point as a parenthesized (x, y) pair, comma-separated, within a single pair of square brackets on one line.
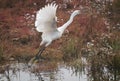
[(63, 27)]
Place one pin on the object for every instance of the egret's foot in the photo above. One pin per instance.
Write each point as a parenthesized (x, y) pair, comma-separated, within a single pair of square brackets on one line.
[(32, 61), (41, 59), (35, 60)]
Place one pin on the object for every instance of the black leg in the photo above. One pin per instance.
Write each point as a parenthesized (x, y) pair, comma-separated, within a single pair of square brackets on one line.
[(37, 56)]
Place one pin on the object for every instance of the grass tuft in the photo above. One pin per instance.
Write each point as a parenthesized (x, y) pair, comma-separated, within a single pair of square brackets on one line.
[(71, 49)]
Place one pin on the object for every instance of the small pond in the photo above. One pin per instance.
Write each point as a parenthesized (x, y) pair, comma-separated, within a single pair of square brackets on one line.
[(80, 70), (40, 72)]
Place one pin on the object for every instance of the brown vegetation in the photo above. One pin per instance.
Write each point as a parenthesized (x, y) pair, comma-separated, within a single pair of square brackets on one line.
[(19, 39)]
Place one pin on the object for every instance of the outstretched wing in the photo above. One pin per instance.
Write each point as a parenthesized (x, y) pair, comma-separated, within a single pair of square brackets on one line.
[(46, 18)]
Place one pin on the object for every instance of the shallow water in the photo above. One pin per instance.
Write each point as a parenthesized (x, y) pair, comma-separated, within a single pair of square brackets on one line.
[(21, 72)]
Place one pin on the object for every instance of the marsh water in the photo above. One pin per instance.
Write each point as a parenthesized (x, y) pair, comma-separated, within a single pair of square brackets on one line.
[(79, 70), (58, 71)]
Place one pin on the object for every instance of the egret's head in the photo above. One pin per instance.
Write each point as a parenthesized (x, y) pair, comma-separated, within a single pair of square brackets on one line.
[(76, 12)]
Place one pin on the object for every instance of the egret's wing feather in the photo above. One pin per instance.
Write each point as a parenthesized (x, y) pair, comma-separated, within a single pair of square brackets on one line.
[(46, 18)]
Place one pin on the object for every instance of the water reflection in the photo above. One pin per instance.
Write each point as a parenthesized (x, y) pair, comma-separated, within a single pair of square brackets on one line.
[(79, 70), (20, 72)]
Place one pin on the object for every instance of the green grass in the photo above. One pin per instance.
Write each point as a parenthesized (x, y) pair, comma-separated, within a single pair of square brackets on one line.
[(1, 52), (115, 44), (71, 49)]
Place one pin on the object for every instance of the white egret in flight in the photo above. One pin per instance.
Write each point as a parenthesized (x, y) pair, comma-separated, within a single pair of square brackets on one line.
[(46, 22)]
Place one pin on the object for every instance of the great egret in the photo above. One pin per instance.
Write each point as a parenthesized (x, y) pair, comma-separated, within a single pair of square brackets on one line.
[(46, 22)]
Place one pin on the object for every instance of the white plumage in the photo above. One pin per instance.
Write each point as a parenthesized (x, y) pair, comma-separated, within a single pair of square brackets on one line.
[(46, 23), (46, 18)]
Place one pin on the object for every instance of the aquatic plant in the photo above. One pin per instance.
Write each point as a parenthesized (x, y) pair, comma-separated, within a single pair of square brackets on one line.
[(115, 44), (71, 49), (1, 52)]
